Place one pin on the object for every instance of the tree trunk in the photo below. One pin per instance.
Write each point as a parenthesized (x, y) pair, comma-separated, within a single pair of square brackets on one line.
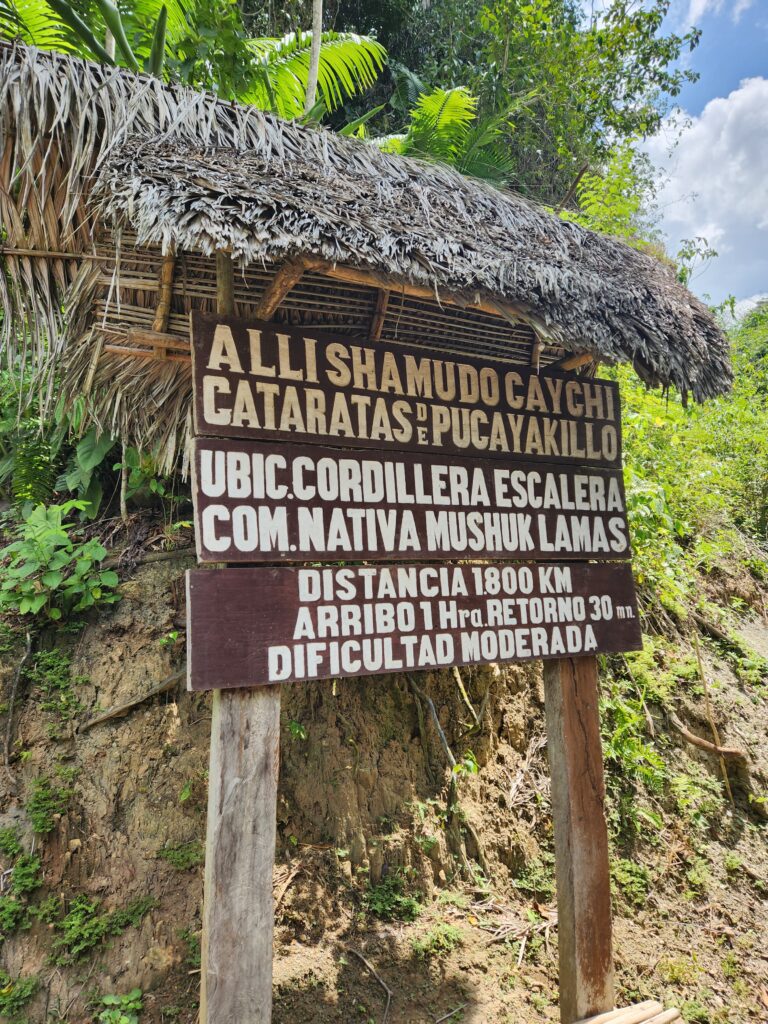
[(314, 54)]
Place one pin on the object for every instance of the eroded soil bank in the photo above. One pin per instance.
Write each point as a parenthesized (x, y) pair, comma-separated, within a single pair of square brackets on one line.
[(442, 881)]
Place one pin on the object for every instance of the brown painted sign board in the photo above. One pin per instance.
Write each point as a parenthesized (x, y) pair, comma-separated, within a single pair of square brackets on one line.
[(268, 381), (247, 627), (264, 502)]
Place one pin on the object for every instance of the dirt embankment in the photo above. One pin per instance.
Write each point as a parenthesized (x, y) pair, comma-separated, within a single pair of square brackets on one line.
[(442, 882)]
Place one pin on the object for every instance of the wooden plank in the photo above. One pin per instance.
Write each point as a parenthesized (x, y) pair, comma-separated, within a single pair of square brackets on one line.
[(238, 910), (257, 380), (257, 502), (581, 838), (360, 621), (640, 1012)]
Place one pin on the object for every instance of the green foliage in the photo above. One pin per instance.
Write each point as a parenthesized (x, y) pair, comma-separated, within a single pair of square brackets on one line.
[(82, 475), (389, 902), (10, 844), (83, 927), (297, 730), (538, 878), (15, 993), (698, 798), (696, 479), (13, 915), (439, 941), (192, 941), (183, 857), (51, 675), (49, 571), (588, 81), (634, 767), (619, 199), (46, 801), (25, 876), (349, 64), (633, 881), (34, 474), (467, 765), (205, 44), (122, 1009)]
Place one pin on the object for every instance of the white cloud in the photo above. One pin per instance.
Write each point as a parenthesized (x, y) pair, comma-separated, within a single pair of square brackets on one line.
[(697, 9), (718, 188)]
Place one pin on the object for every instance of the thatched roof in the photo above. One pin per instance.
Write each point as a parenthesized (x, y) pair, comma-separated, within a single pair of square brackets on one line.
[(302, 191), (88, 152)]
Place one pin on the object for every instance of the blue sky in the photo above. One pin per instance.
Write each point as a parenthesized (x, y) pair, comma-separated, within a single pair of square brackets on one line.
[(717, 166), (734, 46)]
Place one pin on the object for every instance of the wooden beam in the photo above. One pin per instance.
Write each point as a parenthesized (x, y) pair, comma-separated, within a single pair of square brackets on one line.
[(164, 294), (146, 353), (225, 290), (154, 339), (379, 314), (536, 350), (238, 909), (572, 362), (581, 838), (371, 279), (286, 277)]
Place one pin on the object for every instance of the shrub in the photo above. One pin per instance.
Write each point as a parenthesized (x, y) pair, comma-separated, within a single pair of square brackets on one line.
[(49, 572)]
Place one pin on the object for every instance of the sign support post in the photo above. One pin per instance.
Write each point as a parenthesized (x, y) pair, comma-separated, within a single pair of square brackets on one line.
[(238, 911), (581, 838)]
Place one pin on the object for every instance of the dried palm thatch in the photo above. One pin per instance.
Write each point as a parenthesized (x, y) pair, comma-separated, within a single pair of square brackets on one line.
[(101, 171)]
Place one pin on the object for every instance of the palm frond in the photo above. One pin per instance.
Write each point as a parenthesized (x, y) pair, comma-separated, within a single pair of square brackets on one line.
[(440, 122), (484, 153), (35, 23), (349, 64), (141, 21)]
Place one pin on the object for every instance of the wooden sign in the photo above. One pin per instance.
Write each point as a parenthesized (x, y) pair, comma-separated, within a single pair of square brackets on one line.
[(259, 502), (258, 380), (247, 627)]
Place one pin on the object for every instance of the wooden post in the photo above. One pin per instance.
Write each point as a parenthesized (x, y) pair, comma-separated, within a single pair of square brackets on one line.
[(581, 838), (238, 911)]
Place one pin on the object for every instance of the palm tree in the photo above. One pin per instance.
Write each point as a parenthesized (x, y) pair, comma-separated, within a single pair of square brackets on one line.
[(204, 44)]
